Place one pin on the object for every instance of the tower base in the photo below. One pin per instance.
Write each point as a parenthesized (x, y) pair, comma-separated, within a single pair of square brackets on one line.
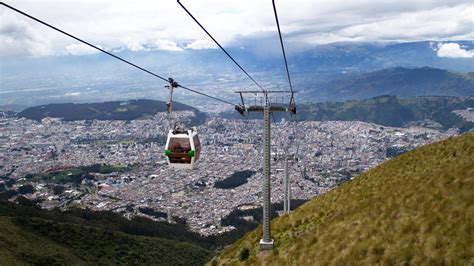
[(266, 245)]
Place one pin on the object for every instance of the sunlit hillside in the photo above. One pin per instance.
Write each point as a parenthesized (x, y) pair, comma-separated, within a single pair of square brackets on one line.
[(417, 208)]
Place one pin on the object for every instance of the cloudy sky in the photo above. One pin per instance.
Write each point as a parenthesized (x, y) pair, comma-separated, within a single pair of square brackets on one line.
[(139, 25)]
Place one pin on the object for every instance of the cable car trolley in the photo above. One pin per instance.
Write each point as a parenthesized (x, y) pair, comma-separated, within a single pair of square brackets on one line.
[(182, 148)]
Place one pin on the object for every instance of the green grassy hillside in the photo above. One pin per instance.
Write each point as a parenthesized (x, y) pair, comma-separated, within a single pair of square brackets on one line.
[(417, 208)]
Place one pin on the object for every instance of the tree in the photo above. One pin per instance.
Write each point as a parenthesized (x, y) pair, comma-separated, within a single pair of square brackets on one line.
[(244, 254), (10, 182), (58, 190), (26, 189)]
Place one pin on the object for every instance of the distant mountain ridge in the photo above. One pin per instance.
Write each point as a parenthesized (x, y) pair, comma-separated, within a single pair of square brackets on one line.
[(115, 110), (386, 110), (399, 81), (68, 78), (362, 57)]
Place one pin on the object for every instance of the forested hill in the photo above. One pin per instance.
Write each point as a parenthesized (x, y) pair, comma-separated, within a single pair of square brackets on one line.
[(29, 236), (394, 111), (386, 110), (116, 110)]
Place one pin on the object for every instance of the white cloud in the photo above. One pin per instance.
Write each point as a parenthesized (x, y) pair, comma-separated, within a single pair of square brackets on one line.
[(453, 50), (201, 44), (167, 45), (134, 46), (438, 23), (17, 38), (72, 94), (80, 49), (164, 25)]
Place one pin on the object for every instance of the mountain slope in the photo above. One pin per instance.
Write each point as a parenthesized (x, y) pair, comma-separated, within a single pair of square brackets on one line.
[(37, 241), (17, 245), (416, 208), (399, 81)]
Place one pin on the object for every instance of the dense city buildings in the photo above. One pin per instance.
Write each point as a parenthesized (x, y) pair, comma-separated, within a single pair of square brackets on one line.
[(322, 154)]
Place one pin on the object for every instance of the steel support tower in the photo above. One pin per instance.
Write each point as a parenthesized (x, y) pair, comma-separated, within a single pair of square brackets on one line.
[(286, 184), (266, 242), (267, 107)]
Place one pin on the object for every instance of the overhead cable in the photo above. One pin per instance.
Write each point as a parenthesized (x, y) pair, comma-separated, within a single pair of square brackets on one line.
[(220, 46), (282, 46), (110, 54), (207, 95)]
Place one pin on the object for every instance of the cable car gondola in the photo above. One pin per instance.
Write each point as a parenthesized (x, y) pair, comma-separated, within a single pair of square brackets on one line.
[(182, 148)]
